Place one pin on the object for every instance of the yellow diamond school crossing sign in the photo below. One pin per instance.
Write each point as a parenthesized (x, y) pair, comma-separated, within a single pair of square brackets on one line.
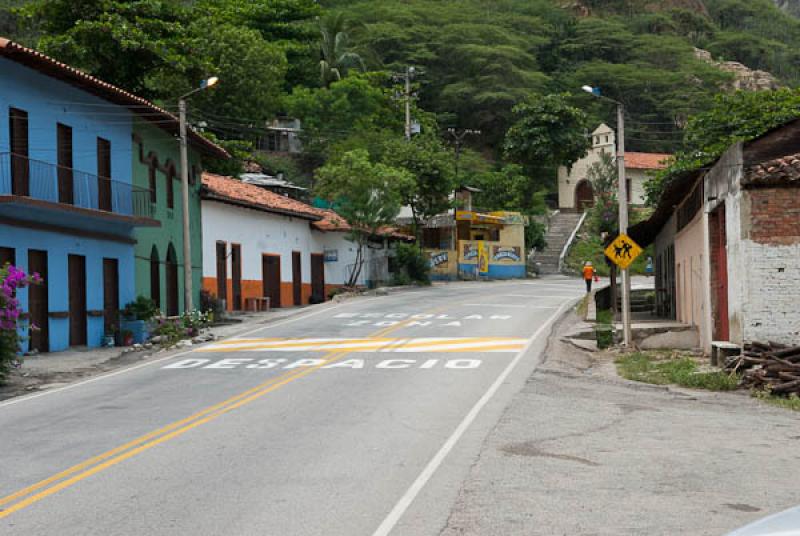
[(623, 251)]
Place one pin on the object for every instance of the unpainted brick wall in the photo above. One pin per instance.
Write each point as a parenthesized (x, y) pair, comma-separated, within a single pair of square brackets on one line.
[(772, 304), (775, 215)]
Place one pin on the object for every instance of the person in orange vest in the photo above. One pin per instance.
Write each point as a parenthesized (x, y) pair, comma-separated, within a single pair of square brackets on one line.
[(588, 274)]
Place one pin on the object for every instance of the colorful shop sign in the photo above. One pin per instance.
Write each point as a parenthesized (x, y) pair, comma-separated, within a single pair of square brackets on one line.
[(506, 254)]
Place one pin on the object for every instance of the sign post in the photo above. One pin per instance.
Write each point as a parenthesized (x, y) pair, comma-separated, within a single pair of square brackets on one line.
[(622, 252)]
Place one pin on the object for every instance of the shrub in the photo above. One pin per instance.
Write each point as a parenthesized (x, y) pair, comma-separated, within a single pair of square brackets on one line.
[(11, 280), (169, 330), (212, 305), (143, 308), (411, 264)]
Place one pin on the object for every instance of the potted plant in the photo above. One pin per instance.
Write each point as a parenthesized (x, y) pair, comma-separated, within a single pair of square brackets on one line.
[(127, 337), (136, 316), (109, 338)]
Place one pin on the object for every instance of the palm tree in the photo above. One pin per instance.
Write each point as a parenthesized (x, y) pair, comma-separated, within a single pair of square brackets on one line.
[(336, 54)]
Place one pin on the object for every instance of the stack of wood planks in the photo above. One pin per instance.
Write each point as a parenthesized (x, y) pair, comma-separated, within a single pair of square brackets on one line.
[(771, 366)]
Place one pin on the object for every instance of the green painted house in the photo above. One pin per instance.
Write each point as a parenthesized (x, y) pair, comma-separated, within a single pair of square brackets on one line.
[(159, 251)]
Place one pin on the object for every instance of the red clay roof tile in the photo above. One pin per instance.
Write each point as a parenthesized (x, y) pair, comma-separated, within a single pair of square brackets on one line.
[(235, 191), (635, 160)]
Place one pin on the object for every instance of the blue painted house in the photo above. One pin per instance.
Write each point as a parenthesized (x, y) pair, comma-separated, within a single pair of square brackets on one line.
[(68, 207)]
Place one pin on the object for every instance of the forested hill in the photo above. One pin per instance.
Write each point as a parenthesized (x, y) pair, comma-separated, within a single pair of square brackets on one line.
[(482, 57), (479, 58)]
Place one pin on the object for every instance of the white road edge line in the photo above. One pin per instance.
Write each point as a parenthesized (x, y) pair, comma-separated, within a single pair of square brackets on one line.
[(416, 487), (17, 400)]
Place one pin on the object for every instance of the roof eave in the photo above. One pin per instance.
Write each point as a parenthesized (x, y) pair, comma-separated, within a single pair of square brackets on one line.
[(213, 196), (61, 71)]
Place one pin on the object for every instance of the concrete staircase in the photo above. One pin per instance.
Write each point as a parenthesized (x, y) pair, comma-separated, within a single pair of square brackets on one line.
[(559, 231)]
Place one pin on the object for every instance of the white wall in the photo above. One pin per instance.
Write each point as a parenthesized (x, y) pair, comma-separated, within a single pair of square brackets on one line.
[(261, 233), (603, 140), (375, 267), (258, 233)]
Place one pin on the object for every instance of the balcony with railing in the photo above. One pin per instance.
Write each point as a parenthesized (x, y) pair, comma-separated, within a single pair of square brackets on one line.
[(27, 184)]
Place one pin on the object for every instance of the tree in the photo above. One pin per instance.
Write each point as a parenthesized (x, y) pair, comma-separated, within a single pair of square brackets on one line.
[(509, 188), (288, 24), (547, 133), (739, 116), (251, 72), (430, 164), (337, 56), (355, 108), (367, 195), (122, 42), (604, 177)]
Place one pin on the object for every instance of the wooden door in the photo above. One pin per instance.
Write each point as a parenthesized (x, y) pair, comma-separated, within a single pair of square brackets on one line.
[(155, 277), (584, 195), (172, 282), (318, 276), (222, 271), (723, 322), (104, 175), (65, 179), (271, 276), (38, 306), (77, 300), (110, 293), (8, 256), (297, 278), (20, 165), (236, 274)]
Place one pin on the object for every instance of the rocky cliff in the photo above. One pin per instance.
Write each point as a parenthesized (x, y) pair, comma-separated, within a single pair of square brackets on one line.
[(790, 6), (585, 8), (743, 77)]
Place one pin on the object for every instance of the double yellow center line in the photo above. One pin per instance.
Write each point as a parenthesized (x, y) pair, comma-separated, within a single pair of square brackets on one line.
[(51, 485)]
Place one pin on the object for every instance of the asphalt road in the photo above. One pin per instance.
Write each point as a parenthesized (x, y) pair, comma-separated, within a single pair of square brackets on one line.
[(361, 418)]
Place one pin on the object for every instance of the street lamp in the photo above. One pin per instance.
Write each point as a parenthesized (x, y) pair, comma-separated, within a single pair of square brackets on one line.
[(623, 206), (187, 238)]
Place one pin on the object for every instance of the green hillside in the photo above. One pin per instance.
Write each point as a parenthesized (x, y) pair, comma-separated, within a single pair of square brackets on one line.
[(482, 57), (478, 60)]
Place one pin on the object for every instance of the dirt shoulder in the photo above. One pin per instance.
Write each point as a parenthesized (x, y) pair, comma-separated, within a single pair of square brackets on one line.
[(580, 451)]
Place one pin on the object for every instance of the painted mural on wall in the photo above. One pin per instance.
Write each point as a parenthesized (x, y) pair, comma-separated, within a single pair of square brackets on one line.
[(439, 258), (443, 263), (506, 254), (469, 251)]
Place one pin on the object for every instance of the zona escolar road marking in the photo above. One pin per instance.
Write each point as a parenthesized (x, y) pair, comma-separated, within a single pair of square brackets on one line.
[(128, 450), (368, 345)]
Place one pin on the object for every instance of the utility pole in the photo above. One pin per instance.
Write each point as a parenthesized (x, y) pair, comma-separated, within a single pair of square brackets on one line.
[(187, 235), (623, 207), (407, 95), (458, 139), (623, 222)]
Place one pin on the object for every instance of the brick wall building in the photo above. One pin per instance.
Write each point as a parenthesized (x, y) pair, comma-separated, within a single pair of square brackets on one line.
[(741, 282)]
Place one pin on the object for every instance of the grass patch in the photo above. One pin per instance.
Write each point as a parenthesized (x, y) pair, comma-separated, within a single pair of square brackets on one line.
[(791, 402), (604, 316), (661, 368), (583, 307)]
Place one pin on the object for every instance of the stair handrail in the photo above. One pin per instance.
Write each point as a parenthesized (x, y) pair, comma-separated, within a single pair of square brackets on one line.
[(569, 242)]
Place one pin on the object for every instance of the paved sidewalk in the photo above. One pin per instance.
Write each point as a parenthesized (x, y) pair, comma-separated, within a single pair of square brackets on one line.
[(582, 452), (49, 370)]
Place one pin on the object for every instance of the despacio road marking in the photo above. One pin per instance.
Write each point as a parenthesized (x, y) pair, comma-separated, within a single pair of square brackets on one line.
[(285, 364), (373, 345)]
